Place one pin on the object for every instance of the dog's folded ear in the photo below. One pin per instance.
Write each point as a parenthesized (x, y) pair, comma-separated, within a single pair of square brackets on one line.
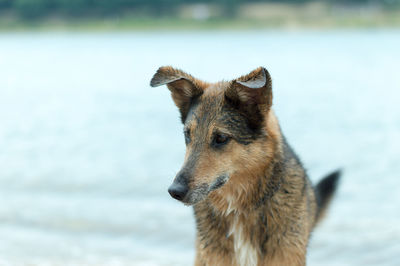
[(252, 93), (184, 88)]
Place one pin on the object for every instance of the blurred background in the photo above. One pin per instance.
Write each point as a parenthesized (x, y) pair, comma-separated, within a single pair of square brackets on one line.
[(88, 149)]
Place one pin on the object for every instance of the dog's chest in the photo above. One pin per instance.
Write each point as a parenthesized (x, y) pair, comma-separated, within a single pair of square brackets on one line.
[(244, 252)]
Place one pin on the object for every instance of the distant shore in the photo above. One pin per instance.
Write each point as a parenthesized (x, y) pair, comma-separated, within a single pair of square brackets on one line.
[(205, 17)]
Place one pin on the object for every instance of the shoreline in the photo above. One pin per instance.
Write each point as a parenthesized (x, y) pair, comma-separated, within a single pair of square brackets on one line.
[(188, 25)]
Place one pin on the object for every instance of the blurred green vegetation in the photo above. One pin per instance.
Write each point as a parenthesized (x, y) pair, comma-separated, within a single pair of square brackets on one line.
[(195, 13), (34, 9)]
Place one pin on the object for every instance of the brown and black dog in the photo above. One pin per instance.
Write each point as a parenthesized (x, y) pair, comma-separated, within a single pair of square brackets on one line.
[(252, 199)]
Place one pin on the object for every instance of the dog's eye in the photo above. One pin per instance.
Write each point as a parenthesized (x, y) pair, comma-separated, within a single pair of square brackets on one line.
[(187, 136), (220, 140)]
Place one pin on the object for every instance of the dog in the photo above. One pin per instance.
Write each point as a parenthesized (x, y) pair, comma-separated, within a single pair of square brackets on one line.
[(253, 201)]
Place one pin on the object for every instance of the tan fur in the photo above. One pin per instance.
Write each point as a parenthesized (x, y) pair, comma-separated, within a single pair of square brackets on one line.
[(232, 202), (265, 212)]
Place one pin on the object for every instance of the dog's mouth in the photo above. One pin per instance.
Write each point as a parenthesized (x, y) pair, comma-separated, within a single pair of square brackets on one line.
[(219, 182), (196, 195), (199, 193)]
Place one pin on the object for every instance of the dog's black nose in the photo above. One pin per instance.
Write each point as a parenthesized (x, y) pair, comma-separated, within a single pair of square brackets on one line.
[(178, 191)]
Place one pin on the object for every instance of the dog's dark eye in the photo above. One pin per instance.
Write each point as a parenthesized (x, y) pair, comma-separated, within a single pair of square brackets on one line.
[(220, 140), (187, 136)]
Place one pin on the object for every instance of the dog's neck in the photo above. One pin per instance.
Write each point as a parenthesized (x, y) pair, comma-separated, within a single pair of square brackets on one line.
[(235, 223)]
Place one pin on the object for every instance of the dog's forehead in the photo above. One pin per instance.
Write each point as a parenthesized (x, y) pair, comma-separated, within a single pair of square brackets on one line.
[(211, 109), (205, 109), (216, 88)]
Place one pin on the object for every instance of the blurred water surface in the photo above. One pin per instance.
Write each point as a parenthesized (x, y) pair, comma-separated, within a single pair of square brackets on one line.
[(88, 149)]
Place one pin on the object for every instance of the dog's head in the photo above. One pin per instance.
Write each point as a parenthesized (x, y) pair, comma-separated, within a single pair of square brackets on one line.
[(224, 128)]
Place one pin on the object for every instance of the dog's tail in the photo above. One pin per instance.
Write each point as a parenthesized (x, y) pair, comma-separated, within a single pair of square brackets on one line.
[(324, 192)]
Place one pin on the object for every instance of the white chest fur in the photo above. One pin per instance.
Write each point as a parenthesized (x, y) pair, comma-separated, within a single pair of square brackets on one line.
[(245, 253)]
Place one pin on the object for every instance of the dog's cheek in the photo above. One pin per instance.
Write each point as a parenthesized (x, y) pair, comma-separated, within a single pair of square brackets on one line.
[(206, 168), (247, 157)]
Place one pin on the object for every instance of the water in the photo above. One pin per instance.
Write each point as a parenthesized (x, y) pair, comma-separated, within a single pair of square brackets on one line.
[(88, 149)]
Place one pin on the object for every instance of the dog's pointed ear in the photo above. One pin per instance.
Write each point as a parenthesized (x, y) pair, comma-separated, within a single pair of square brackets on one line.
[(252, 89), (184, 88), (252, 94)]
